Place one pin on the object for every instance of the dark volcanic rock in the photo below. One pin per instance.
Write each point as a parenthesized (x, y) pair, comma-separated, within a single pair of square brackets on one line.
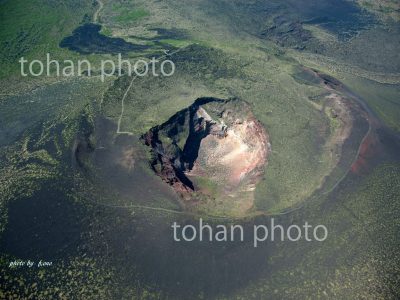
[(287, 33), (86, 39)]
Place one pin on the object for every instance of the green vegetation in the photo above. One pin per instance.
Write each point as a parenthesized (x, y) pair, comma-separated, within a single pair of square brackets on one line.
[(34, 28), (176, 43), (124, 13), (208, 186), (382, 98), (105, 219), (106, 31), (131, 16)]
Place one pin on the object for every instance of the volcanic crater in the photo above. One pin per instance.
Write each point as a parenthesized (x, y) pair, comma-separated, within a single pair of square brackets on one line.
[(213, 151)]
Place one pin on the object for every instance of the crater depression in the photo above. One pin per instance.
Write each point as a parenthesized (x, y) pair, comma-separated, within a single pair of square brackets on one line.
[(212, 153)]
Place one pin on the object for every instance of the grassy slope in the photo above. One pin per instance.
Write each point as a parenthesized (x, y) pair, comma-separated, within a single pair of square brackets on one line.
[(34, 28), (382, 98), (281, 104)]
